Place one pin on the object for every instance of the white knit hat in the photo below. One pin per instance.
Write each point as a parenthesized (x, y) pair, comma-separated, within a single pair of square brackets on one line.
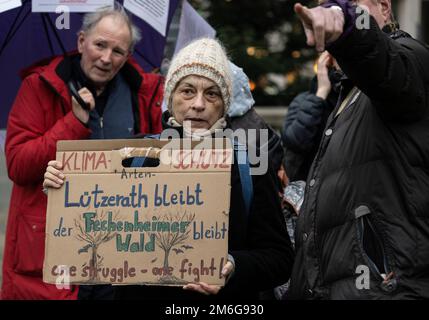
[(204, 57)]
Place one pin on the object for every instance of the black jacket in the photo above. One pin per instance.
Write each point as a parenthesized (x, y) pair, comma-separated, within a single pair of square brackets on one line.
[(259, 244), (302, 132), (367, 196)]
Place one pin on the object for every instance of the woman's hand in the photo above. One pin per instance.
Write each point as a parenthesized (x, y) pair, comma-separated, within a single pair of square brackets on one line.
[(207, 289), (54, 178)]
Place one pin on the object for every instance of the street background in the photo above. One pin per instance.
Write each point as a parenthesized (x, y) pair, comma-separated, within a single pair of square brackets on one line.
[(265, 38)]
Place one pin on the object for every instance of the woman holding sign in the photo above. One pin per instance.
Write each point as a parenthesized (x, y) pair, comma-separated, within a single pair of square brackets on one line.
[(198, 92)]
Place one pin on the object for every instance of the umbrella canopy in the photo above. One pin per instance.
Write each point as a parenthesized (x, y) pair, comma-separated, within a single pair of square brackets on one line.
[(27, 37)]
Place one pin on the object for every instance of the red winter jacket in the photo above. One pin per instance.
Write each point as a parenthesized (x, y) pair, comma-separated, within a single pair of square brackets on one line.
[(41, 115)]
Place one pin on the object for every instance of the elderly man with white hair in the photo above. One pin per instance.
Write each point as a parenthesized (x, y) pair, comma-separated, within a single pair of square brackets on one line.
[(98, 92)]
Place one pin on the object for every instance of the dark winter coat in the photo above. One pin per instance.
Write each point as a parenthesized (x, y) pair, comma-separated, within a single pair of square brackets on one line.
[(302, 132), (259, 244), (366, 205), (41, 115)]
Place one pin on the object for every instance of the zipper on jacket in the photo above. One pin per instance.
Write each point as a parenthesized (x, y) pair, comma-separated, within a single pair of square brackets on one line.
[(101, 122)]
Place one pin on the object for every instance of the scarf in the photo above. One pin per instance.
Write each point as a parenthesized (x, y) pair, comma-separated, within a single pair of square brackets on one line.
[(199, 133)]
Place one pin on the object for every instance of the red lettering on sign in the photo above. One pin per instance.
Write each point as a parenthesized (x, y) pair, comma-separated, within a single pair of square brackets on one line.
[(84, 161)]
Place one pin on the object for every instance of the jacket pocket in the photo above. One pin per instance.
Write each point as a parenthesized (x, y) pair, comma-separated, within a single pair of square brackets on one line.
[(30, 245), (373, 248)]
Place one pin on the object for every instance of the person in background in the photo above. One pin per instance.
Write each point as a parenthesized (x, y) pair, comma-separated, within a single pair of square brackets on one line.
[(112, 98), (242, 115), (306, 118)]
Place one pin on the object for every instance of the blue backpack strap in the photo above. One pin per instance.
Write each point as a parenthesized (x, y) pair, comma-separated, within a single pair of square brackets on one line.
[(240, 151)]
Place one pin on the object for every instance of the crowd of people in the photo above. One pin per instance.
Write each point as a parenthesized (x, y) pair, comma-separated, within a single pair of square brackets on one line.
[(351, 165)]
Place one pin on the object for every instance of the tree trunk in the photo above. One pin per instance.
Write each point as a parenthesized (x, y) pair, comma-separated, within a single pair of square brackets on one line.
[(93, 263), (166, 254)]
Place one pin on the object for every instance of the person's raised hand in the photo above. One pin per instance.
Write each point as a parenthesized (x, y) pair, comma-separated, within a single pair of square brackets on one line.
[(323, 83), (321, 25), (79, 112)]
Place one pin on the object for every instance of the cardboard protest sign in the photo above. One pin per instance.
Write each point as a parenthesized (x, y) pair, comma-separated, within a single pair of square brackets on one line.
[(165, 224)]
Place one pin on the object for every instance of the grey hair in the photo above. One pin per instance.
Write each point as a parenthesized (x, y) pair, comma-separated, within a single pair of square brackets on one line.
[(90, 20)]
